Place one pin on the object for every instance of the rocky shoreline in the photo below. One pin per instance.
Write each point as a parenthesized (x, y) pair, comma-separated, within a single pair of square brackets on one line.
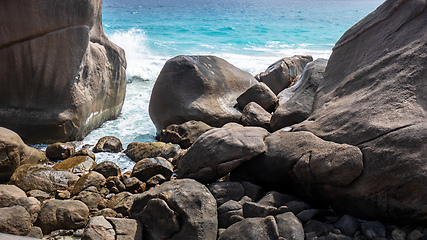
[(100, 202), (307, 149)]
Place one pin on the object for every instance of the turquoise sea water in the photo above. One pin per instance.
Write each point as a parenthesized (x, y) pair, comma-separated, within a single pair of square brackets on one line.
[(251, 34)]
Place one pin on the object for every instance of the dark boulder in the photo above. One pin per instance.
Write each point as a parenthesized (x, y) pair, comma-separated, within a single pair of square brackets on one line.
[(50, 92), (215, 85), (108, 169), (220, 150), (137, 151)]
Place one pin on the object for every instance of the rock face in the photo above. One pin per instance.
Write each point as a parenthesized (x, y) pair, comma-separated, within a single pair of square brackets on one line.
[(220, 150), (373, 96), (296, 102), (215, 86), (14, 153), (178, 209), (60, 75), (284, 72)]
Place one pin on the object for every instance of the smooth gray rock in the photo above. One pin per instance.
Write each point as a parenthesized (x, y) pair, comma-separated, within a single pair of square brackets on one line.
[(261, 94), (220, 150), (215, 86)]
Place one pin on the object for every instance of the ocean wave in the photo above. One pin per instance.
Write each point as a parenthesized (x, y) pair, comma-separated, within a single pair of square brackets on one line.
[(141, 60)]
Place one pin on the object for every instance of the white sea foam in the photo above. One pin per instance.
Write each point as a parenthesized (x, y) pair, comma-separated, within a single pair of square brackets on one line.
[(141, 61)]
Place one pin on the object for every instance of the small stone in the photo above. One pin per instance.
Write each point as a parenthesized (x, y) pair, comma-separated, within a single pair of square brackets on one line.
[(297, 206), (86, 180), (106, 212), (398, 234), (415, 235), (155, 180), (62, 194), (77, 164), (334, 236), (307, 214), (251, 209), (138, 151), (60, 151), (348, 225), (15, 220), (317, 227), (373, 229), (39, 194), (289, 226), (225, 191), (149, 167), (99, 228), (85, 152), (253, 191), (108, 144), (108, 169), (35, 232), (9, 194)]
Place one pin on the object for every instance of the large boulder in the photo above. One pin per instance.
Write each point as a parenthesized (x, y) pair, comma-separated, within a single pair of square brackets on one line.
[(178, 209), (203, 88), (284, 73), (60, 75), (36, 176), (303, 161), (373, 96), (14, 153), (220, 150), (296, 102)]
